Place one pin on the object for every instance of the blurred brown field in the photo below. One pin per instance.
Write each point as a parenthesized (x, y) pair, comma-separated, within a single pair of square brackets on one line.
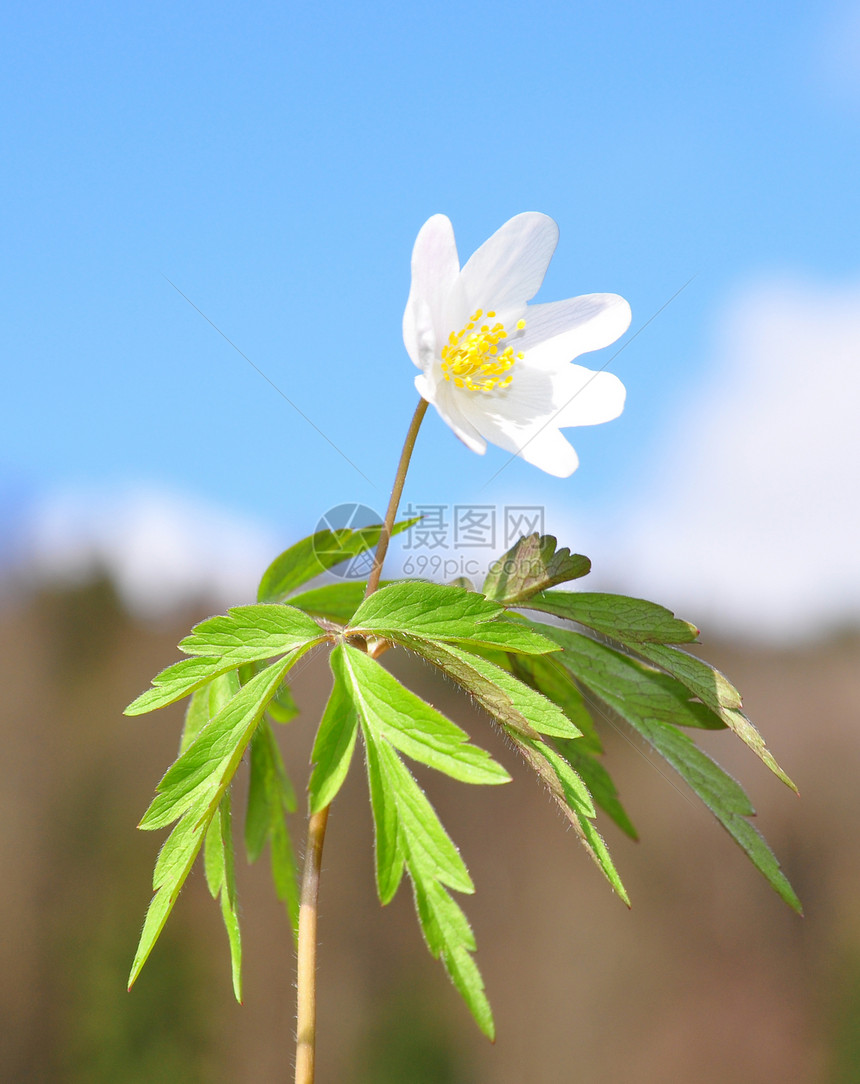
[(709, 978)]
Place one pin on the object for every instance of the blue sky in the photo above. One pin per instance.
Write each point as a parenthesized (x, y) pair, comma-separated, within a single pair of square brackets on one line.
[(275, 162)]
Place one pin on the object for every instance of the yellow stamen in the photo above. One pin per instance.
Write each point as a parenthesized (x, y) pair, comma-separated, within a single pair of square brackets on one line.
[(473, 359)]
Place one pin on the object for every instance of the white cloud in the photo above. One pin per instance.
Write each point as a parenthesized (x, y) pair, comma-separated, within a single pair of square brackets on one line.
[(751, 524), (753, 520), (162, 550)]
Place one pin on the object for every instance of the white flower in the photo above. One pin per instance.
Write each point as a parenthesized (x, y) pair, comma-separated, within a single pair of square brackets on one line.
[(495, 368)]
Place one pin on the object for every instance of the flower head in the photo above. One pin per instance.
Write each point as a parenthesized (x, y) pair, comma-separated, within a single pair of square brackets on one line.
[(496, 368)]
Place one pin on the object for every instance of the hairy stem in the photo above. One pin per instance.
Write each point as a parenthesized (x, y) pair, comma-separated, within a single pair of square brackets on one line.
[(306, 979), (306, 1017), (396, 492)]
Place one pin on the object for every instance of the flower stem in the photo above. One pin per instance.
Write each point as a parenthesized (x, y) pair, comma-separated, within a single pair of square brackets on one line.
[(396, 492), (306, 978)]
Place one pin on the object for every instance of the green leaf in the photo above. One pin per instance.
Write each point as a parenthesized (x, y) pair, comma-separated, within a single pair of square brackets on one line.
[(425, 609), (644, 628), (449, 935), (718, 693), (457, 664), (251, 633), (408, 830), (213, 853), (192, 790), (270, 798), (177, 681), (413, 726), (390, 857), (572, 797), (205, 704), (270, 794), (317, 554), (333, 601), (602, 671), (282, 707), (598, 781), (335, 740), (246, 634), (545, 674), (628, 620), (498, 691), (645, 690), (436, 611), (722, 795), (230, 915), (530, 565), (429, 848), (173, 865), (217, 750), (221, 879)]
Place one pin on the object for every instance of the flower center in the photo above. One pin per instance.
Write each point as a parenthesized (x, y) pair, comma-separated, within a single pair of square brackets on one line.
[(471, 358)]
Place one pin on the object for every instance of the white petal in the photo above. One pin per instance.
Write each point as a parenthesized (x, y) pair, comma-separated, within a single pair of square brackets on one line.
[(551, 452), (584, 397), (435, 266), (562, 330), (507, 269), (448, 409), (538, 442)]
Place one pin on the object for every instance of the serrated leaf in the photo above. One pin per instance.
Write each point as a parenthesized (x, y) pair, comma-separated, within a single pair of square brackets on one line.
[(270, 798), (213, 855), (177, 681), (217, 750), (497, 688), (644, 628), (316, 554), (425, 609), (545, 674), (259, 811), (230, 916), (282, 707), (446, 927), (409, 831), (333, 601), (412, 725), (251, 633), (598, 667), (444, 612), (599, 782), (192, 790), (205, 704), (644, 689), (335, 740), (717, 692), (390, 858), (571, 795), (458, 665), (531, 565), (628, 620), (172, 867), (430, 851)]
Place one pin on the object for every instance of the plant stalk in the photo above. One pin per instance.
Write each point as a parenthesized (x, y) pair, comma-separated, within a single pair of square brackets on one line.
[(306, 977), (396, 493)]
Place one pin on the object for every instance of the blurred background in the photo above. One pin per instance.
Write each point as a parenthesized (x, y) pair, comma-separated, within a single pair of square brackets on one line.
[(207, 218)]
